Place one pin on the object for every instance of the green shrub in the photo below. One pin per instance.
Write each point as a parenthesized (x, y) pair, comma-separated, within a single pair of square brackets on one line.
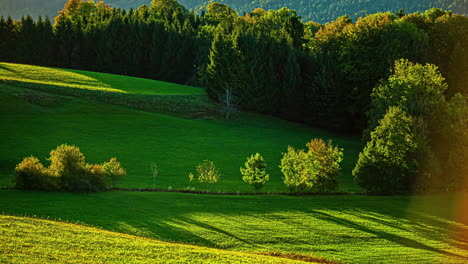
[(207, 172), (68, 163), (329, 158), (96, 177), (298, 171), (113, 170), (30, 174), (254, 172), (388, 164), (312, 170), (190, 176), (68, 171)]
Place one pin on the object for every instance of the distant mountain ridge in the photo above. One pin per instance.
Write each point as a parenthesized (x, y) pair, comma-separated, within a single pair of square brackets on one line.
[(321, 11)]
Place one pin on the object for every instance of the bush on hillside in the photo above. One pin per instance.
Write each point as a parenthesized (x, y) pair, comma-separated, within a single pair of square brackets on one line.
[(30, 174), (312, 170), (68, 171), (388, 164), (207, 172), (113, 170), (254, 172), (98, 177), (329, 158), (68, 163)]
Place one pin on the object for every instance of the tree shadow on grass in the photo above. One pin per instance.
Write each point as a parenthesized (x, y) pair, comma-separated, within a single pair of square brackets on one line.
[(423, 225), (6, 68), (161, 231), (406, 242), (212, 228), (367, 217)]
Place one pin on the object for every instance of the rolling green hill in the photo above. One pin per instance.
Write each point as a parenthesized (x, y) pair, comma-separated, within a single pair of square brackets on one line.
[(29, 240), (44, 107), (318, 10), (37, 117), (348, 229), (91, 80)]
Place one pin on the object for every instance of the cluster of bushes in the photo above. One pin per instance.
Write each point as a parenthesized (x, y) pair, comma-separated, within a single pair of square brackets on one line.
[(314, 170), (68, 171), (207, 172)]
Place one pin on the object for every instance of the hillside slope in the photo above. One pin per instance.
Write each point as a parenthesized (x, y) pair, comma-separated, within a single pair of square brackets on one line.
[(29, 240), (318, 10), (37, 117)]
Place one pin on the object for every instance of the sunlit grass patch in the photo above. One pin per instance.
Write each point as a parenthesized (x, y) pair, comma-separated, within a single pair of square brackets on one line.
[(29, 240), (92, 80)]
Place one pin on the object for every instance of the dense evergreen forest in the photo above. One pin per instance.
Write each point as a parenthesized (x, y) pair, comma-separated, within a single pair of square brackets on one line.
[(320, 11), (272, 61)]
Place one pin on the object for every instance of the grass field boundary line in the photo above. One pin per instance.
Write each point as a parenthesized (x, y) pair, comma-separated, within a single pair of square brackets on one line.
[(253, 193), (235, 193), (220, 193)]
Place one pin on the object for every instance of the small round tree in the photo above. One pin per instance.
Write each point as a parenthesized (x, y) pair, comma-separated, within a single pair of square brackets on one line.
[(298, 171), (388, 164), (254, 172), (329, 158), (312, 170), (113, 170), (207, 172)]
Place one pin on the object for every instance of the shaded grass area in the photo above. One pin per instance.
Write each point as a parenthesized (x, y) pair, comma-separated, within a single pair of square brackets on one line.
[(92, 80), (190, 106), (356, 229), (34, 122), (28, 240)]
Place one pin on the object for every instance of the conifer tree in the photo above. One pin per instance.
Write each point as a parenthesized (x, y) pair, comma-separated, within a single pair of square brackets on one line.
[(8, 40), (26, 40)]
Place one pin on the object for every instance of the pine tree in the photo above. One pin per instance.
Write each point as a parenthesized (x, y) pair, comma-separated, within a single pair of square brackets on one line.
[(8, 40), (44, 41), (27, 34), (291, 105), (225, 66)]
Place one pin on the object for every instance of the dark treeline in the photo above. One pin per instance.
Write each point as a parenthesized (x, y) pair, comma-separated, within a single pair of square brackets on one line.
[(272, 62), (144, 42)]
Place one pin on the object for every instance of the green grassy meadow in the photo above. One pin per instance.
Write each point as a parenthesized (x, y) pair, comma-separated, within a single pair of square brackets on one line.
[(349, 229), (36, 126), (26, 240), (39, 113)]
